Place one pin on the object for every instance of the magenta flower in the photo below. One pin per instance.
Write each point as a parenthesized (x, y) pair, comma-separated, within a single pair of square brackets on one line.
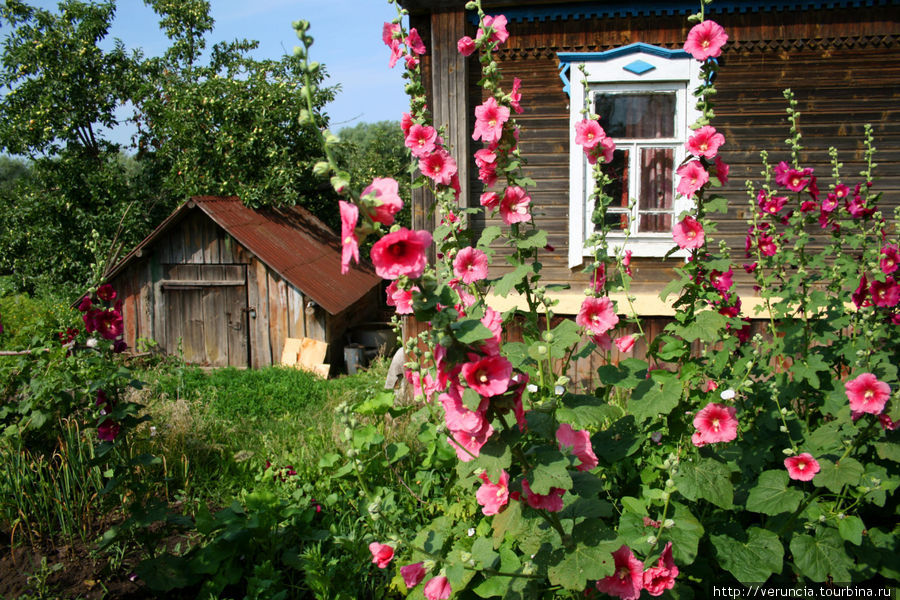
[(693, 177), (406, 122), (580, 443), (109, 324), (497, 24), (438, 166), (628, 579), (867, 394), (597, 315), (401, 253), (108, 430), (401, 300), (860, 295), (457, 417), (606, 148), (791, 178), (885, 293), (384, 191), (106, 292), (705, 142), (413, 574), (465, 45), (437, 588), (493, 496), (771, 205), (624, 343), (514, 206), (349, 243), (467, 444), (715, 423), (421, 140), (488, 376), (489, 120), (414, 42), (721, 171), (470, 265), (551, 502), (688, 233), (767, 246), (660, 578), (485, 157), (802, 467), (890, 259), (85, 304), (382, 554), (588, 134), (721, 281), (705, 40), (390, 34), (490, 200), (515, 95)]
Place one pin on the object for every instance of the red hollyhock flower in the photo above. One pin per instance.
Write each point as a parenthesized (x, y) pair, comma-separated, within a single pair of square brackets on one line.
[(401, 300), (692, 177), (885, 293), (106, 292), (515, 95), (688, 233), (705, 40), (551, 502), (401, 253), (628, 579), (706, 141), (109, 324), (437, 588), (867, 394), (382, 554), (890, 259), (108, 430), (488, 376), (498, 25), (802, 467), (468, 445), (588, 133), (413, 574), (597, 315), (465, 45), (660, 578)]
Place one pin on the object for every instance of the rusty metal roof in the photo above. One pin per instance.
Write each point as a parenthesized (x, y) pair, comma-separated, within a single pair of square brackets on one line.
[(290, 240)]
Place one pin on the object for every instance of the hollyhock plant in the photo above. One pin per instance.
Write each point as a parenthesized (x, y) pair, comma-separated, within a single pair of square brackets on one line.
[(109, 324), (721, 171), (890, 259), (660, 578), (488, 376), (85, 304), (588, 134), (349, 243), (106, 292), (459, 418), (493, 496), (628, 579), (470, 265), (382, 554), (885, 293), (389, 35), (688, 233), (715, 423), (514, 205), (489, 120), (401, 253), (705, 40), (384, 191), (706, 142), (401, 300), (580, 443), (597, 315), (721, 281), (498, 25), (465, 45), (414, 42), (108, 430), (437, 588), (468, 444), (625, 343), (421, 140), (551, 502), (515, 95), (867, 394), (439, 166), (693, 177), (802, 467), (413, 574)]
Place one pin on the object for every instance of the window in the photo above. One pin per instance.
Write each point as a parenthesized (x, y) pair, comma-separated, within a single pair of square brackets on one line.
[(642, 95)]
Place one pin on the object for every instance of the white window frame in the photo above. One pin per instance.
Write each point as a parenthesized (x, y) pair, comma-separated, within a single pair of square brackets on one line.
[(669, 70)]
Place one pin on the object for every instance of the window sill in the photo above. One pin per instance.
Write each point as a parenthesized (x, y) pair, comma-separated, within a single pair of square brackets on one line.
[(644, 246)]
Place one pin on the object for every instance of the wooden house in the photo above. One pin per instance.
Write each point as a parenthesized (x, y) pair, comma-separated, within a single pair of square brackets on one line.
[(841, 58), (225, 285)]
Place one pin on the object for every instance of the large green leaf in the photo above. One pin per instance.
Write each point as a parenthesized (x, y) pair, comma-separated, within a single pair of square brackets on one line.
[(650, 400), (772, 495), (685, 534), (751, 560), (469, 331), (705, 327), (822, 556), (705, 478), (835, 476), (550, 471), (582, 564), (510, 280)]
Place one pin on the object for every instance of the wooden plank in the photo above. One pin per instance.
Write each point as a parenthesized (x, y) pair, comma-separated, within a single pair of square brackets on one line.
[(238, 321), (261, 344), (296, 323), (200, 283)]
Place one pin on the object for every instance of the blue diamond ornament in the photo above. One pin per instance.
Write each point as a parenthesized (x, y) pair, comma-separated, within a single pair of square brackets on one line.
[(639, 67)]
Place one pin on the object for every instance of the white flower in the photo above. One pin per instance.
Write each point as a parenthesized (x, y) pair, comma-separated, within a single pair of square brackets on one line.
[(471, 531), (91, 343), (152, 430), (531, 388), (727, 394), (559, 390)]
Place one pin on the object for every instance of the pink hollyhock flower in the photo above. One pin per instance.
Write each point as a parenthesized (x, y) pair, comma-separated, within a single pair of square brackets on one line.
[(588, 134), (771, 205), (514, 206), (551, 502), (867, 394), (628, 579), (793, 179), (457, 417), (401, 300), (693, 177), (715, 423), (487, 175), (515, 95), (688, 233), (465, 45), (722, 281), (887, 423), (406, 122), (802, 467), (890, 259), (598, 279), (349, 243), (414, 42), (721, 171), (493, 320), (626, 262), (705, 40), (489, 120), (597, 315), (493, 496), (108, 430), (488, 376), (390, 31), (625, 343), (437, 588), (438, 166), (413, 574), (382, 554), (384, 191), (767, 246), (471, 265), (706, 141), (860, 295), (485, 157), (603, 341), (580, 443), (710, 386), (401, 253), (830, 203), (467, 444), (465, 298), (858, 209), (498, 25), (660, 578), (885, 293), (421, 140), (392, 42), (106, 292), (423, 385)]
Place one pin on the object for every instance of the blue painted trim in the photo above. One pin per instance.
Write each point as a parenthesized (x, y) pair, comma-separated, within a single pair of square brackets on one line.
[(621, 51), (598, 10), (564, 69), (639, 67)]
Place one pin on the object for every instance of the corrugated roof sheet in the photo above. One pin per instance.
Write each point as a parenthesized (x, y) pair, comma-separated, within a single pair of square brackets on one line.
[(291, 241)]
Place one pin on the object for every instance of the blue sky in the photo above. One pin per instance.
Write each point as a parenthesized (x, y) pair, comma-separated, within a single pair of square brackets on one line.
[(347, 41)]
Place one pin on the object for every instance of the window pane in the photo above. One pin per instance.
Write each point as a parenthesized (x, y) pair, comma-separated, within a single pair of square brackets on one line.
[(648, 115), (656, 189), (617, 170)]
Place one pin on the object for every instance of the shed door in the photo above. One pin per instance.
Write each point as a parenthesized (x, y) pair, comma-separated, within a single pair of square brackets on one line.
[(206, 312)]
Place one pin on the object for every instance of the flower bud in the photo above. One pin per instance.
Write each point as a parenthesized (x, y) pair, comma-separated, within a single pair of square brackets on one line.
[(788, 451), (652, 540), (668, 524)]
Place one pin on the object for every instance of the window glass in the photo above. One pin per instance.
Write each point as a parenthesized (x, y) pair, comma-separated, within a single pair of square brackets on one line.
[(655, 200), (637, 115)]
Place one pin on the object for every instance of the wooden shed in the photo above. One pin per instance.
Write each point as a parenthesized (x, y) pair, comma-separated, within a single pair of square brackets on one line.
[(226, 285)]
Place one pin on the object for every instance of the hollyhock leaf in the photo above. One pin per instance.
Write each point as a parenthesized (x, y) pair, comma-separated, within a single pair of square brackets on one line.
[(685, 534), (851, 529), (550, 470), (888, 451), (835, 476), (494, 456), (367, 436), (705, 327), (627, 374), (488, 235), (455, 563), (469, 331), (753, 559), (825, 439), (483, 553), (772, 496), (821, 556), (516, 353), (396, 451), (509, 587), (585, 412), (505, 284), (880, 484), (705, 478), (432, 538), (507, 522), (888, 551), (378, 404), (471, 399), (634, 532), (619, 440), (536, 238), (564, 336), (650, 400), (584, 563), (634, 505), (582, 508)]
